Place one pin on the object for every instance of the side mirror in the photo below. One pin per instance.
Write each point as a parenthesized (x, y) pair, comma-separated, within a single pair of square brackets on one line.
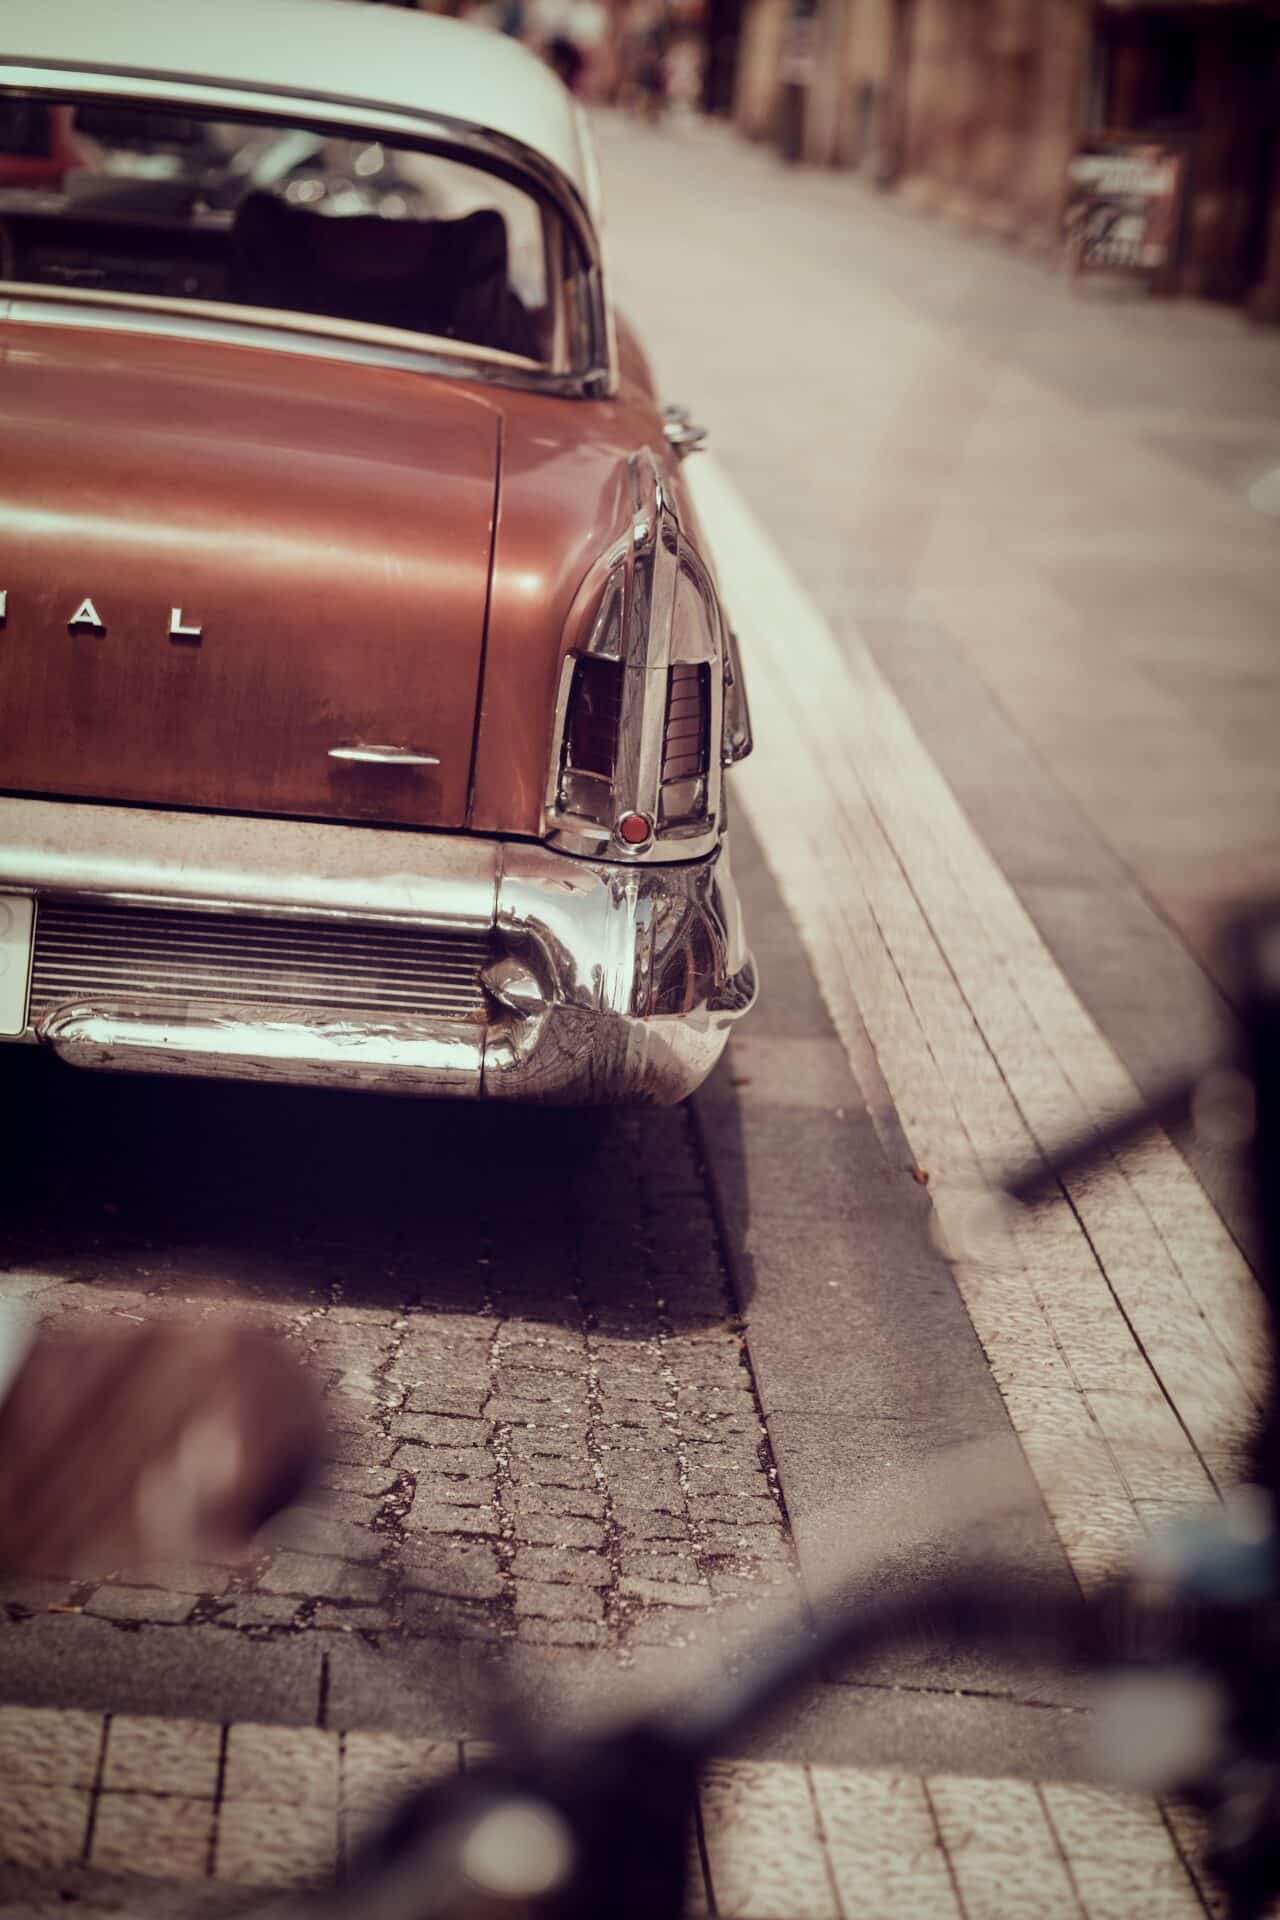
[(681, 431)]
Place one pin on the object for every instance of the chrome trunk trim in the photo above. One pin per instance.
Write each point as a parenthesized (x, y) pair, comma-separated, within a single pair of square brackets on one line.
[(233, 863), (605, 982)]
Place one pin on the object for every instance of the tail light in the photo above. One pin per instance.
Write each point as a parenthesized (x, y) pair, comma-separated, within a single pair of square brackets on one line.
[(686, 745), (592, 717), (649, 706)]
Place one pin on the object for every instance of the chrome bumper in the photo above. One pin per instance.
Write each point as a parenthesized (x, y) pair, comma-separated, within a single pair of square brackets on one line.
[(605, 983)]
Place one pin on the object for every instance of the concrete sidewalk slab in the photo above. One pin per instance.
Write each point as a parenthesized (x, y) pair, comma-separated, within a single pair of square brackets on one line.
[(289, 1808)]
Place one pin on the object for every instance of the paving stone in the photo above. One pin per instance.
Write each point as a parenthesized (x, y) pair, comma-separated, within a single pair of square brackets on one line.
[(454, 1398), (440, 1430), (536, 1631), (42, 1825), (358, 1446), (559, 1530), (281, 1766), (742, 1508), (763, 1843), (667, 1593), (566, 1472), (443, 1490), (642, 1524), (679, 1627), (379, 1770), (356, 1509), (528, 1496), (445, 1618), (268, 1845), (42, 1746), (451, 1567), (372, 1482), (139, 1603), (554, 1563), (260, 1610), (553, 1438), (316, 1578), (356, 1619), (160, 1834), (553, 1601), (309, 1532), (556, 1399), (1002, 1849), (758, 1542), (680, 1567), (429, 1514), (146, 1753), (474, 1463), (187, 1576), (637, 1507)]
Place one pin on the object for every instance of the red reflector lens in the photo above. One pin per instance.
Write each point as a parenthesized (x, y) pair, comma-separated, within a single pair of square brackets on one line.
[(591, 726), (634, 829)]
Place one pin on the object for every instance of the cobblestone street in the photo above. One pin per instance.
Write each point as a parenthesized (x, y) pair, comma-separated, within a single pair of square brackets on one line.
[(545, 1432)]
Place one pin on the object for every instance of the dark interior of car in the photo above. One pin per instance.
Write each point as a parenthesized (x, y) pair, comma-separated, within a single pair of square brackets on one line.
[(175, 222)]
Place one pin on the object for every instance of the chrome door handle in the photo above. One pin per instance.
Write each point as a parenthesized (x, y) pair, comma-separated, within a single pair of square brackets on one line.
[(380, 756)]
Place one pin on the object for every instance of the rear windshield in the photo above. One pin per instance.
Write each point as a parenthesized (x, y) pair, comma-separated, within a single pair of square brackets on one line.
[(114, 199)]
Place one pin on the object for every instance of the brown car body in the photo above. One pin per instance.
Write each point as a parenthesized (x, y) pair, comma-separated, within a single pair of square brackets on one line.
[(253, 599)]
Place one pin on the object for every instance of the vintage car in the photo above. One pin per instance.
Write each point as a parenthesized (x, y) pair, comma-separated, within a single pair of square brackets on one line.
[(365, 694)]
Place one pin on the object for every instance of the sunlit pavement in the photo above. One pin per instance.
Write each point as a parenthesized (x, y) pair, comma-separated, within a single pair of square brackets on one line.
[(605, 1393), (995, 551), (246, 1807)]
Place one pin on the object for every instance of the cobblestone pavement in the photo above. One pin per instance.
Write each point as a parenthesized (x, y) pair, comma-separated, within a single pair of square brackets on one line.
[(250, 1806), (545, 1432)]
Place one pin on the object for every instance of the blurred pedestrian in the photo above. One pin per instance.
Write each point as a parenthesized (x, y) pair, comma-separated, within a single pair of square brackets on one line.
[(570, 35), (566, 60), (646, 49)]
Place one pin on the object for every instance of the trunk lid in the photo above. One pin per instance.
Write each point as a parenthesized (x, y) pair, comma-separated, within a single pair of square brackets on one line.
[(327, 526)]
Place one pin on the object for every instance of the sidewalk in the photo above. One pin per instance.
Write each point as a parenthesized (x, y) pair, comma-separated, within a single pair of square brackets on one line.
[(253, 1807), (952, 451), (1031, 507)]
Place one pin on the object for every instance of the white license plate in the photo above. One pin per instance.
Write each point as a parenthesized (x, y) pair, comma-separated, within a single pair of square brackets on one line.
[(17, 922)]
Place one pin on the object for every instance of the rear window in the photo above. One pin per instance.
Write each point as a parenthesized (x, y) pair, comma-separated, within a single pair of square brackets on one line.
[(285, 220)]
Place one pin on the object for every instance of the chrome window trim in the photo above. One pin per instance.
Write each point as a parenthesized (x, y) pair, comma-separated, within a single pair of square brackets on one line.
[(78, 308), (495, 153)]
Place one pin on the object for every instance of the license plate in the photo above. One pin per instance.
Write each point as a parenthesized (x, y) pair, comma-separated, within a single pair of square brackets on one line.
[(17, 922)]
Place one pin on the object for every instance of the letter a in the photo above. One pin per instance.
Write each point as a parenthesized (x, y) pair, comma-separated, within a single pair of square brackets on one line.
[(86, 615)]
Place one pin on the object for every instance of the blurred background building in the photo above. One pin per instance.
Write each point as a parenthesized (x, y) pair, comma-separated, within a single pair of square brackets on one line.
[(981, 110), (976, 108)]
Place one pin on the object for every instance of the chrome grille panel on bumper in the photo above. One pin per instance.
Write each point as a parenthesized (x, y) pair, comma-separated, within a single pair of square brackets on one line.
[(89, 951)]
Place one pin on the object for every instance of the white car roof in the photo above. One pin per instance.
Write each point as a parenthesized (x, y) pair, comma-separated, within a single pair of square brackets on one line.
[(343, 51)]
